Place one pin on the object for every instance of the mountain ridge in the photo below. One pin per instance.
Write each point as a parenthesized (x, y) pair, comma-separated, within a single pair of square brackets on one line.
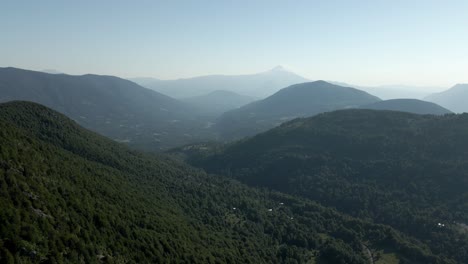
[(454, 98), (112, 106), (298, 100), (409, 105), (256, 85)]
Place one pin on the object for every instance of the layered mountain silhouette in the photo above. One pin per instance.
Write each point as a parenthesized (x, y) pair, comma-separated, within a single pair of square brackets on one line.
[(299, 100), (409, 105), (218, 102), (52, 71), (389, 92), (70, 195), (117, 108), (400, 169), (455, 99), (258, 85)]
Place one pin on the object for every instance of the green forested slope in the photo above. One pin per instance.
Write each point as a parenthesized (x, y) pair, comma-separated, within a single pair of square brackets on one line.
[(408, 105), (404, 170), (69, 195)]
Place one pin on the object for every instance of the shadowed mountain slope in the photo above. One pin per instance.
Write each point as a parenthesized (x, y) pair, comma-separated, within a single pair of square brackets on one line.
[(114, 107), (409, 105), (218, 102), (455, 99)]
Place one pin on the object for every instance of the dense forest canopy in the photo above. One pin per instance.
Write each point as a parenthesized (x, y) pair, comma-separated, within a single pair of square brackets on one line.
[(409, 105), (404, 170), (70, 195)]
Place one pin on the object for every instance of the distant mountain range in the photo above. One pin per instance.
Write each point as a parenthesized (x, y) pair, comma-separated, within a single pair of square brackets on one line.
[(455, 98), (264, 84), (117, 108), (149, 120), (217, 102), (258, 85), (388, 92), (299, 100), (408, 105)]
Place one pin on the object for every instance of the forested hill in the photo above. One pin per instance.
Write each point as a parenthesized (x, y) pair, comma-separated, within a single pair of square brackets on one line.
[(114, 107), (299, 100), (405, 170), (409, 105), (70, 195)]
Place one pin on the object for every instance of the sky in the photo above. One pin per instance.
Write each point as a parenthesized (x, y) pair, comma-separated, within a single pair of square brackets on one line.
[(423, 43)]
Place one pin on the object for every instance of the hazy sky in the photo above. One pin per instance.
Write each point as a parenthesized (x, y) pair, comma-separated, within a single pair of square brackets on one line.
[(361, 42)]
